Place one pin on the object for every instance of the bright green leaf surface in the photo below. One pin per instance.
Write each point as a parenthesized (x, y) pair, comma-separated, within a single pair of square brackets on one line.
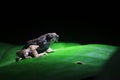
[(58, 65)]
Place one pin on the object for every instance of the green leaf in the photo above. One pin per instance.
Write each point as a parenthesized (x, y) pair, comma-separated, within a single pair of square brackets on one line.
[(69, 61)]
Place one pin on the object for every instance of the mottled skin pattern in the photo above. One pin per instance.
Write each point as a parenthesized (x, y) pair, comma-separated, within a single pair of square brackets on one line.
[(37, 47)]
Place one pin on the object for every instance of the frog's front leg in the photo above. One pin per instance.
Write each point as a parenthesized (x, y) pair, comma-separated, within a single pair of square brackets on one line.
[(49, 50)]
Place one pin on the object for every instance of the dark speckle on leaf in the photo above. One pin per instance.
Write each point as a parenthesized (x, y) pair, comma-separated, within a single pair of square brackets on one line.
[(79, 62)]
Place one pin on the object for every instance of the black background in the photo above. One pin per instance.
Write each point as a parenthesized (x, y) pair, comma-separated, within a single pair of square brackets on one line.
[(82, 29)]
